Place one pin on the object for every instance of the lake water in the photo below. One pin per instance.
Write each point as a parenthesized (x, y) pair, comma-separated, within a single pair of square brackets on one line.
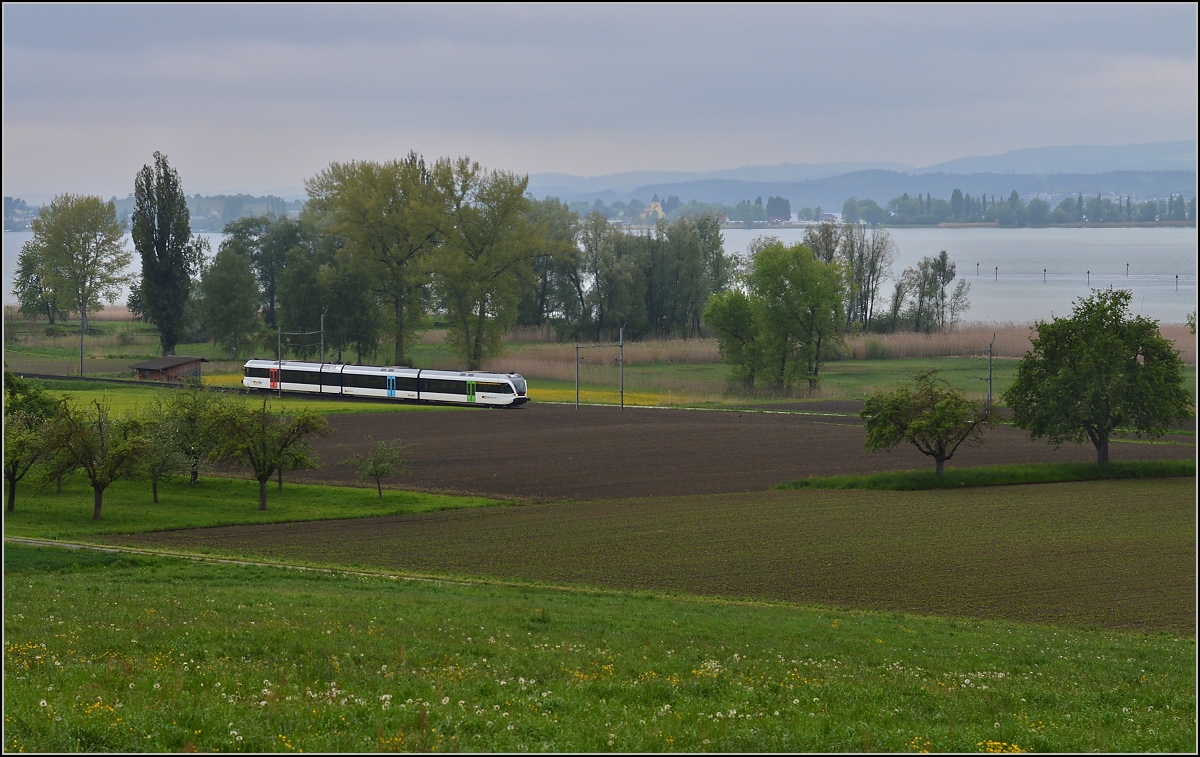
[(1009, 284)]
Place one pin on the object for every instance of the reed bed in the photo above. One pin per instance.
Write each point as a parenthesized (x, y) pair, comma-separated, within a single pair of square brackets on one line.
[(648, 352), (1012, 341)]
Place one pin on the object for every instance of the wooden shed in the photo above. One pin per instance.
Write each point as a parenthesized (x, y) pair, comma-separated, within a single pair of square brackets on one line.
[(169, 368)]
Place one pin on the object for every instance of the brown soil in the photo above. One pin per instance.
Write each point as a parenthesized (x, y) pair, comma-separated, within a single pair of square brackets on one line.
[(549, 452)]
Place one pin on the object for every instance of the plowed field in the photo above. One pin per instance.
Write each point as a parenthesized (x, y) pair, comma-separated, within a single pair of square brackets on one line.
[(548, 452), (1115, 554)]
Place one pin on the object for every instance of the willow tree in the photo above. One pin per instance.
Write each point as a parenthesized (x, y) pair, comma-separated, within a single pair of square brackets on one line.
[(384, 215), (486, 262), (162, 236)]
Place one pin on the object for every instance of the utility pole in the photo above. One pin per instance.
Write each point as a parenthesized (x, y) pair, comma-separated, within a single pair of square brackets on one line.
[(989, 397), (577, 376), (621, 343)]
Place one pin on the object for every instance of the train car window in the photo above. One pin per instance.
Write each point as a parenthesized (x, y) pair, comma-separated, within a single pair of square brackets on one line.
[(443, 386), (364, 381), (493, 387), (300, 377), (406, 383), (258, 373), (520, 384)]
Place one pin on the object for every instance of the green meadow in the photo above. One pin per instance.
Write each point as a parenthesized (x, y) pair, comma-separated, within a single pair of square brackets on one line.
[(105, 652)]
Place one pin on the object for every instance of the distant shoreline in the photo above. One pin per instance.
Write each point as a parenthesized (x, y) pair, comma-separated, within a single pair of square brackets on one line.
[(979, 225)]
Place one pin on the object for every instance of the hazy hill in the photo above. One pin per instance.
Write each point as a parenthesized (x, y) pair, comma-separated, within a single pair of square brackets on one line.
[(1141, 170)]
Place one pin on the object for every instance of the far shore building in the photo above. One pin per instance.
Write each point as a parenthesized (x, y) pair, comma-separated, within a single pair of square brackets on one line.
[(653, 209), (169, 368)]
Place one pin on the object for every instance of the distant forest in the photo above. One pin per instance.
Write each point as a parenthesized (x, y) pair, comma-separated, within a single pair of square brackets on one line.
[(1012, 211), (209, 214)]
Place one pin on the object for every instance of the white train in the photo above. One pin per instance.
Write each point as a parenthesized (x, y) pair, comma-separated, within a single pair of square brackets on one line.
[(495, 389)]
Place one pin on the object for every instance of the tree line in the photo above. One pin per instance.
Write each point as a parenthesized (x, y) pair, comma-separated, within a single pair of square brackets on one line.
[(385, 249), (924, 209)]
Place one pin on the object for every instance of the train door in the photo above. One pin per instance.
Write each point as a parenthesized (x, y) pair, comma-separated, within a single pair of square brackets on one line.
[(391, 386), (470, 391), (274, 376)]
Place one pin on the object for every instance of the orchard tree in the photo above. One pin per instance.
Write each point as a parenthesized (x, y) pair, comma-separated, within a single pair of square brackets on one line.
[(264, 441), (28, 411), (187, 413), (930, 414), (162, 236), (165, 455), (104, 447), (1098, 371), (385, 459)]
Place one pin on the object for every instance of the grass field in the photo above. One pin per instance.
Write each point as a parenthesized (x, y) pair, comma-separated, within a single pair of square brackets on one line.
[(213, 501), (1044, 617), (110, 653), (126, 399)]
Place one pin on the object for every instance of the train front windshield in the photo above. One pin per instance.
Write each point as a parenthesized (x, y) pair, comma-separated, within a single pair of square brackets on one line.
[(520, 385)]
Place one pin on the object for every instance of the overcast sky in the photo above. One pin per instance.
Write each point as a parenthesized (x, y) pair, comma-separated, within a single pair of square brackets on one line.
[(258, 98)]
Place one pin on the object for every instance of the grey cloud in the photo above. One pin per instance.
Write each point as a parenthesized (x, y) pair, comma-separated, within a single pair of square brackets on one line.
[(726, 84)]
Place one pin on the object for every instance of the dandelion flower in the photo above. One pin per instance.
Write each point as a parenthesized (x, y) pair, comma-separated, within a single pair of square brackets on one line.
[(445, 700), (42, 703)]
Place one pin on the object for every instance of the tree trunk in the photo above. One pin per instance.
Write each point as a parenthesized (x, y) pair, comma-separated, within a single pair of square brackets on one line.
[(58, 485), (1102, 450), (154, 489), (12, 495), (476, 359), (262, 494), (195, 472), (399, 326), (941, 465), (279, 478), (99, 502), (82, 333), (379, 486)]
